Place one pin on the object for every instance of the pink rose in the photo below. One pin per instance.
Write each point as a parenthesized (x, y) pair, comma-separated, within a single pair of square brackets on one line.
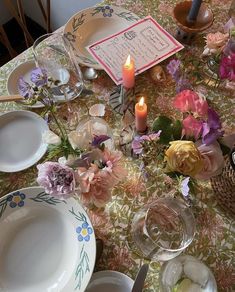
[(213, 160), (216, 40), (192, 127), (215, 43), (188, 100)]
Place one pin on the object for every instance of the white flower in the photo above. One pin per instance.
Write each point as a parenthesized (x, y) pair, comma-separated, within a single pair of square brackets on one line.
[(69, 161), (78, 140), (50, 137), (100, 129)]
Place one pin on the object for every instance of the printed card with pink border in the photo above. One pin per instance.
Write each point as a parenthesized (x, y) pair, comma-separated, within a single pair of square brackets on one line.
[(146, 41)]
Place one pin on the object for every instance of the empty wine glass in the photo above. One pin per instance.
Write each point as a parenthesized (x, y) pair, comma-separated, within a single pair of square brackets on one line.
[(54, 55), (163, 229)]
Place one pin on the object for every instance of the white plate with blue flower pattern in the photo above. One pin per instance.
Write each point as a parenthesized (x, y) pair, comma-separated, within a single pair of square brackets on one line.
[(46, 244), (95, 23), (21, 143)]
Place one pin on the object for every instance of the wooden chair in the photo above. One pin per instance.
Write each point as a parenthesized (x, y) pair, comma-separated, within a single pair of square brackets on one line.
[(19, 16), (4, 39)]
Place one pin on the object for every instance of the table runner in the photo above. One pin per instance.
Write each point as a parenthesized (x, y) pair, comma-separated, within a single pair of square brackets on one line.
[(214, 240)]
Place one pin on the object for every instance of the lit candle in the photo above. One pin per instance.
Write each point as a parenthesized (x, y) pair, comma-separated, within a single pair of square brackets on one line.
[(128, 73), (141, 116)]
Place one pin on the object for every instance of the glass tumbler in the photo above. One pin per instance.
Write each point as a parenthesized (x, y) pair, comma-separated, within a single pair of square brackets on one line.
[(54, 54), (163, 229), (186, 273)]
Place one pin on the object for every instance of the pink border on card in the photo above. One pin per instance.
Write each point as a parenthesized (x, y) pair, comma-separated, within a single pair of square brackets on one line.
[(140, 70)]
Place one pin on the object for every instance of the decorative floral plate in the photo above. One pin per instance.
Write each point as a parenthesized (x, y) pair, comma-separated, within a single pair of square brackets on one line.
[(45, 244), (92, 24)]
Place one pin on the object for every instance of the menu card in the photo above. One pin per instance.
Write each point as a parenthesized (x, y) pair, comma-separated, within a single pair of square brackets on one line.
[(146, 41)]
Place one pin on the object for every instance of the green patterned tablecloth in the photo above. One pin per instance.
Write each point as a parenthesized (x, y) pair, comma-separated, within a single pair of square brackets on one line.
[(214, 241)]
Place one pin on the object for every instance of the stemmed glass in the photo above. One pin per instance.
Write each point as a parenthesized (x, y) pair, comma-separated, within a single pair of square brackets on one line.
[(53, 53), (163, 229)]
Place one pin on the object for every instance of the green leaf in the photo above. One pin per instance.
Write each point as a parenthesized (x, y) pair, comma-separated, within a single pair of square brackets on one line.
[(174, 174), (164, 124), (177, 130)]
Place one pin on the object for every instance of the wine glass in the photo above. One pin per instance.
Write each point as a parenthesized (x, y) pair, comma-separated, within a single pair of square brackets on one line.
[(53, 54), (163, 229)]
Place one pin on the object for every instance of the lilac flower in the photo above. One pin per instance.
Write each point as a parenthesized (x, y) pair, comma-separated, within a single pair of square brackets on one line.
[(182, 84), (184, 188), (97, 140), (24, 88), (211, 130), (56, 179), (137, 143), (229, 50), (173, 68), (39, 76)]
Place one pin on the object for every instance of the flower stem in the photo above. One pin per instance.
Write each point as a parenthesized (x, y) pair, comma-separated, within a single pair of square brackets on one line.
[(64, 135)]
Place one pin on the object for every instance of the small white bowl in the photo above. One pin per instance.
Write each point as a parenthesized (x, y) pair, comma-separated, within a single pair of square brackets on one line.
[(110, 281)]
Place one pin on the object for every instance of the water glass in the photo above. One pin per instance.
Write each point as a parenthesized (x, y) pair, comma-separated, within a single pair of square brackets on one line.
[(53, 53), (186, 273), (163, 229)]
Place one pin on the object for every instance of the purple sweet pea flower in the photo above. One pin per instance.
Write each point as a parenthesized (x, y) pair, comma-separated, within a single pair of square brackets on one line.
[(57, 180), (39, 76), (211, 130), (138, 141), (182, 84), (173, 68), (97, 140), (25, 88), (227, 67), (184, 188)]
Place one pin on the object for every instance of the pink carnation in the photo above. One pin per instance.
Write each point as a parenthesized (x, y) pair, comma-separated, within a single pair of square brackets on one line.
[(96, 183), (192, 127), (213, 160), (188, 100)]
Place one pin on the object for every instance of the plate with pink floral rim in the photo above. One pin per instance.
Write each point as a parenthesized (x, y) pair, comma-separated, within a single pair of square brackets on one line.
[(46, 244)]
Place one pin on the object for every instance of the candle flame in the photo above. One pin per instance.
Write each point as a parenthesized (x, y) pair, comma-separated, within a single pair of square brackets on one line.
[(141, 102), (128, 61)]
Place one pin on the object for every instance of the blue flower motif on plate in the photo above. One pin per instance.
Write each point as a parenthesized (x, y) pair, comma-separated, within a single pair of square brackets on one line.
[(16, 199), (107, 11), (84, 232)]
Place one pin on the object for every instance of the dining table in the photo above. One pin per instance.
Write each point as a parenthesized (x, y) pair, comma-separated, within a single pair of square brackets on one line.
[(214, 242)]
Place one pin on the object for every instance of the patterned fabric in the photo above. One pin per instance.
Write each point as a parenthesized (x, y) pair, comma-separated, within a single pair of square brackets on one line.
[(214, 241)]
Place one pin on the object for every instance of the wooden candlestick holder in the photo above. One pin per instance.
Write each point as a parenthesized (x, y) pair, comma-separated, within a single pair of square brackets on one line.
[(187, 30)]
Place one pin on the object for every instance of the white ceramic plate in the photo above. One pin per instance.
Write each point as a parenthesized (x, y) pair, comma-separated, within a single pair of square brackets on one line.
[(92, 24), (110, 281), (24, 70), (46, 245), (21, 144)]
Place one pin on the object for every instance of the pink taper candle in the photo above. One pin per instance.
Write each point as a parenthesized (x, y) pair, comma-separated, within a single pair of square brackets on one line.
[(141, 116), (128, 73)]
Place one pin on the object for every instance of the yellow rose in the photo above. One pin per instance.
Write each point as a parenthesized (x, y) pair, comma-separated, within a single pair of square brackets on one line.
[(184, 157)]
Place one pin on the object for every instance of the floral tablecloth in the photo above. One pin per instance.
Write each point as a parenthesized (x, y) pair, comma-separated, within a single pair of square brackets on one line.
[(214, 241)]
